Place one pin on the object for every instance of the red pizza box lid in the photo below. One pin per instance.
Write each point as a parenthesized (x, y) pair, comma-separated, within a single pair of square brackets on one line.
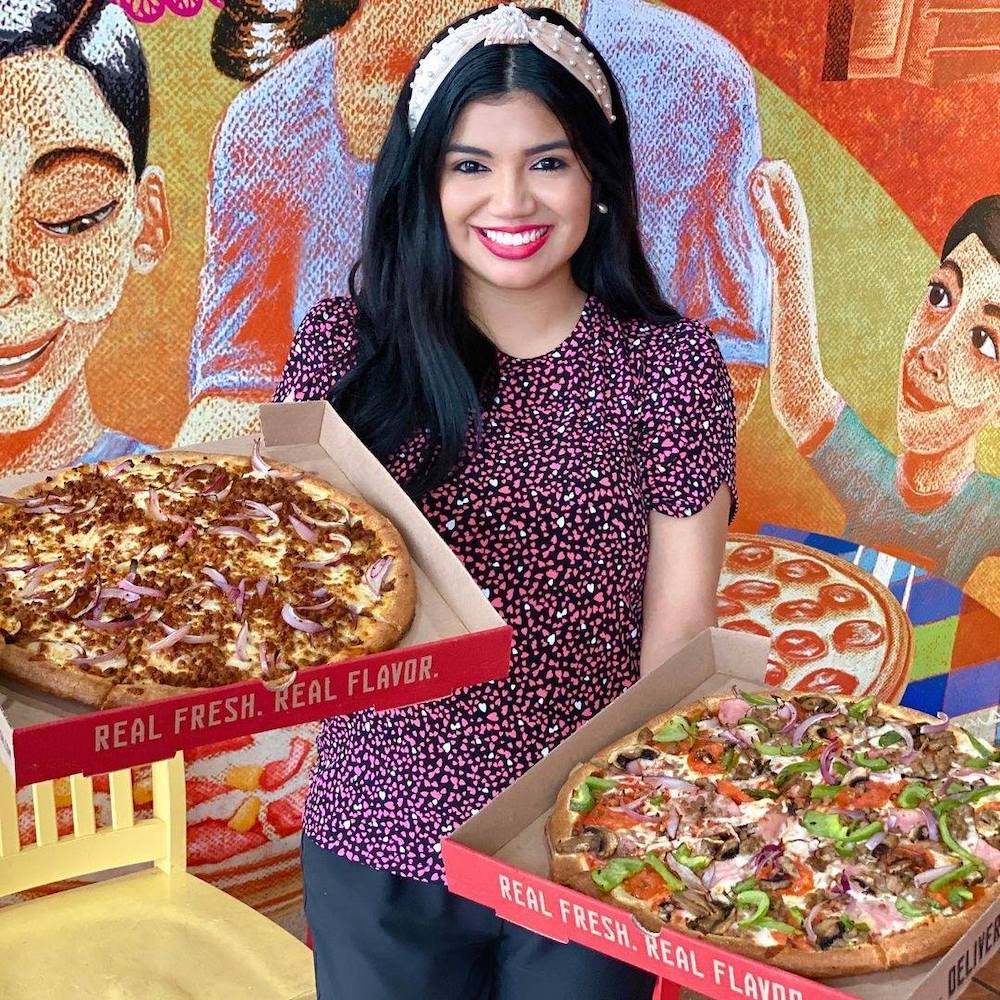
[(499, 857), (457, 638)]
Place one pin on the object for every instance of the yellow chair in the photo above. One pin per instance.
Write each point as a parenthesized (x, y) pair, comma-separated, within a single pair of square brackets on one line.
[(155, 934)]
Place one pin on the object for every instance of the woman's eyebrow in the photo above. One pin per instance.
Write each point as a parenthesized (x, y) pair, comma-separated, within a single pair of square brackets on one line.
[(955, 269), (545, 147), (56, 157)]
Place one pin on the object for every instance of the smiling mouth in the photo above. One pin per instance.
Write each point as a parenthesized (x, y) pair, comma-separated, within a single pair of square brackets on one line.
[(519, 239), (22, 362)]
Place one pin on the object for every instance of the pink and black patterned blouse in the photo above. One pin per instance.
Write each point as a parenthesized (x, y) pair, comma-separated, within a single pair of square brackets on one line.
[(550, 517)]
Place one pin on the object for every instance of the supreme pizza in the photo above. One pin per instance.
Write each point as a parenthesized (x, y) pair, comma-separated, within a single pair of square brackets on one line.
[(828, 837), (833, 627), (132, 580)]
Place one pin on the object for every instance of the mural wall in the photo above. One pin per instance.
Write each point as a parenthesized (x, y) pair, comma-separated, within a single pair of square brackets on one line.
[(818, 182)]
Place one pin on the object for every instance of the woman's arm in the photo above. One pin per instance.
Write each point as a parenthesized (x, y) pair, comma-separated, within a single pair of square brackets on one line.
[(685, 560)]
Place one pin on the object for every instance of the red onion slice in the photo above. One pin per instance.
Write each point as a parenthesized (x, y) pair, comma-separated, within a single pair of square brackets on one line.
[(826, 758), (304, 532), (218, 579), (153, 505), (297, 622), (190, 471), (34, 579), (803, 726), (231, 529), (241, 642), (768, 852), (633, 766), (173, 636), (261, 586), (133, 588), (875, 839), (13, 501), (257, 462), (219, 494), (684, 873), (309, 519), (319, 563), (261, 511), (936, 727), (932, 826), (87, 661), (239, 596), (200, 640), (376, 573), (118, 594), (185, 536), (117, 625), (119, 468), (928, 876), (94, 598), (668, 781), (673, 823), (808, 923)]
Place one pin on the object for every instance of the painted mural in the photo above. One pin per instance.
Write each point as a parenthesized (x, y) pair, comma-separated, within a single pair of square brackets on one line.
[(180, 180)]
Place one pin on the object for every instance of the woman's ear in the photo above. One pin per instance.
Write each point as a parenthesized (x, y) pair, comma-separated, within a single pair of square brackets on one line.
[(154, 228)]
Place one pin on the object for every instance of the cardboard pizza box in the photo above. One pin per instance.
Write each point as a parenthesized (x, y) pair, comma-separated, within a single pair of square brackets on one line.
[(457, 638), (499, 858)]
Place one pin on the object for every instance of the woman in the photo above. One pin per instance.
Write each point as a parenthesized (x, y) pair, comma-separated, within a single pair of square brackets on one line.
[(505, 351), (79, 210), (930, 504), (283, 227)]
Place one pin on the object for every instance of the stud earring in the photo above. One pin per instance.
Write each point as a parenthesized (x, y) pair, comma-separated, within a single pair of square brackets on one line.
[(602, 208)]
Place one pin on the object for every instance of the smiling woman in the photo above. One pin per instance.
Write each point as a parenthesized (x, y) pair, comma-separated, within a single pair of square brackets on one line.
[(79, 210)]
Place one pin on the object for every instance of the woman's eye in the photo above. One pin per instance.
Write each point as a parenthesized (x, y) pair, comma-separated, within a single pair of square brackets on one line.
[(984, 342), (938, 295), (550, 163), (80, 224), (468, 167)]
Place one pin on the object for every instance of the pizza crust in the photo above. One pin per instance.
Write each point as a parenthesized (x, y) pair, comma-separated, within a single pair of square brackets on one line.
[(62, 680)]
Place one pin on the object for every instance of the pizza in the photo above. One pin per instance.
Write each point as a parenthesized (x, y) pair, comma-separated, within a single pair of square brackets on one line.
[(833, 627), (132, 580), (824, 836)]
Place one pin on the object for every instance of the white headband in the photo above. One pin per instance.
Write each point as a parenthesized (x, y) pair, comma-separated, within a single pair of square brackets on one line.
[(507, 25)]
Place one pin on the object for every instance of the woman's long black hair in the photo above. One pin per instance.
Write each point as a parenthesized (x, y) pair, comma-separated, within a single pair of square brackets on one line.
[(422, 361)]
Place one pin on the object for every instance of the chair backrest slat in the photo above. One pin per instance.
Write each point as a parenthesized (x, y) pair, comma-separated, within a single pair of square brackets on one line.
[(82, 790), (160, 839), (44, 797), (122, 809), (10, 841)]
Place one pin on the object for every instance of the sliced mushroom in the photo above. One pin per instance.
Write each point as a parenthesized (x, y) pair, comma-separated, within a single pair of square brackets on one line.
[(694, 902), (987, 822), (828, 930), (814, 703), (855, 775), (781, 875), (714, 921), (602, 842), (630, 754)]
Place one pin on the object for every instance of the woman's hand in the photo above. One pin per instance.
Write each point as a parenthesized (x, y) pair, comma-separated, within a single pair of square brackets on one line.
[(685, 560), (802, 399)]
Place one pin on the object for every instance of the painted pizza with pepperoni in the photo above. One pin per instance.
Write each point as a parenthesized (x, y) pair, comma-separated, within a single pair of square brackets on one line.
[(833, 627), (127, 581), (824, 835)]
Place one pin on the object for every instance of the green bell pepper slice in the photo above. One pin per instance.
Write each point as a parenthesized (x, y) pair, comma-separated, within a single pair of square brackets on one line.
[(889, 739), (827, 825), (676, 729), (860, 709), (957, 895), (582, 800), (761, 793), (872, 763), (783, 749), (908, 909), (674, 884), (955, 847), (825, 791), (758, 699), (696, 862), (956, 875), (799, 767), (863, 832), (757, 899), (747, 883), (985, 751), (981, 793), (747, 721), (913, 794), (769, 923), (615, 872)]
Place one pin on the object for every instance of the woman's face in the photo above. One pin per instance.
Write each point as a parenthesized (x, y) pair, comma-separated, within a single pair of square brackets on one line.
[(949, 384), (516, 200), (73, 222)]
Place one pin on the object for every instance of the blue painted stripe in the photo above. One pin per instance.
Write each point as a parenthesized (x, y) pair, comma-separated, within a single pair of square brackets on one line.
[(972, 688), (926, 695)]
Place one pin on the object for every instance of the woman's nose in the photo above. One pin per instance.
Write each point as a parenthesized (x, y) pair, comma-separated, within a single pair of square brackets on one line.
[(931, 361), (512, 197), (15, 284)]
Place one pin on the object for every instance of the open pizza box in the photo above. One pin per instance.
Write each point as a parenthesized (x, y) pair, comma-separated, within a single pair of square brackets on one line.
[(499, 858), (457, 638)]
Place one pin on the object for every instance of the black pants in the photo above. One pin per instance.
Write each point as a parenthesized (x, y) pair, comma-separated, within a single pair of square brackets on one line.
[(378, 936)]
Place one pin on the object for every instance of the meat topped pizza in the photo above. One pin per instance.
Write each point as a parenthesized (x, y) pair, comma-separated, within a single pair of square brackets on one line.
[(826, 837), (833, 627), (129, 580)]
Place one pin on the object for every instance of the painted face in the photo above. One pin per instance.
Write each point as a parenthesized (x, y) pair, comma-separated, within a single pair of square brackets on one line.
[(949, 384), (73, 222), (516, 200)]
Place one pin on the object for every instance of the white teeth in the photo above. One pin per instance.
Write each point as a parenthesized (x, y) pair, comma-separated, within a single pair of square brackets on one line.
[(514, 239), (20, 359)]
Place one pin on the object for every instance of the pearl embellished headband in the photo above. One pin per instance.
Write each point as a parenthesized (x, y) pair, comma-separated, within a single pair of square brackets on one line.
[(507, 25)]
